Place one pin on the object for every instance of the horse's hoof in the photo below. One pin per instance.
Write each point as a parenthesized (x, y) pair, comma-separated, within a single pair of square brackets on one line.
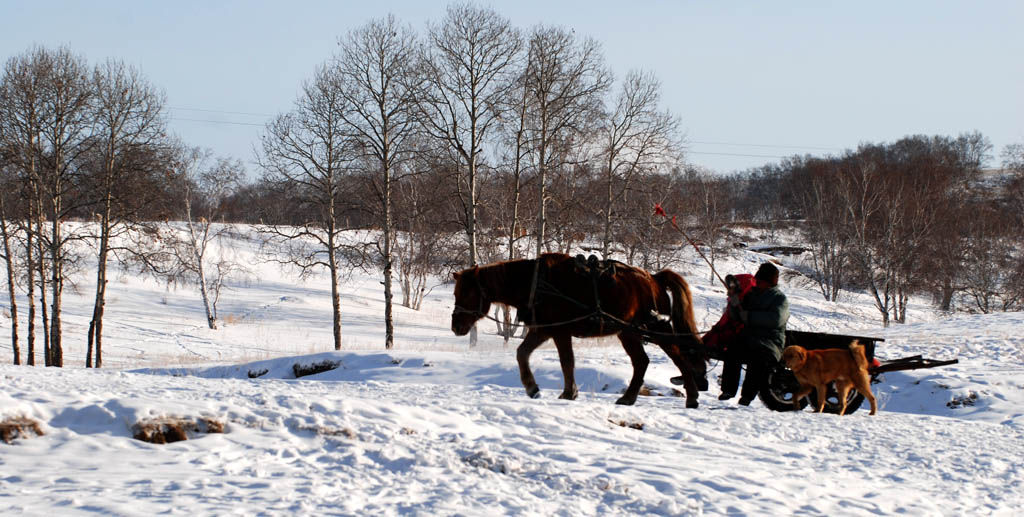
[(625, 401), (692, 405), (533, 392), (568, 396)]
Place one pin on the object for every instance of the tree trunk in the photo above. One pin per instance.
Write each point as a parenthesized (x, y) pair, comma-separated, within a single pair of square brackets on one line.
[(43, 310), (541, 212), (96, 324), (31, 296), (9, 260), (609, 200), (211, 318), (332, 263), (57, 286), (472, 208), (389, 324)]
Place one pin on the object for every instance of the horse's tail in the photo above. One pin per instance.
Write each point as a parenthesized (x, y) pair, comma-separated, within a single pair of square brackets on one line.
[(683, 320)]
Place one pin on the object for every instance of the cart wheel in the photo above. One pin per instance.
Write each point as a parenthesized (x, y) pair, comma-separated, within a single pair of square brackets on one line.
[(853, 400), (779, 390)]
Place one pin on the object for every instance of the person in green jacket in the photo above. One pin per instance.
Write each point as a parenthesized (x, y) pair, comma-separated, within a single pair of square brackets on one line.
[(764, 312)]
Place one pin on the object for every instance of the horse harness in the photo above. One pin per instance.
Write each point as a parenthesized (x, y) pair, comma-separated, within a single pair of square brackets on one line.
[(541, 289), (596, 270)]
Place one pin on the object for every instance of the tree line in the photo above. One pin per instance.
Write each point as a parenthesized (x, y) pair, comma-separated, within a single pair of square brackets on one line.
[(468, 142)]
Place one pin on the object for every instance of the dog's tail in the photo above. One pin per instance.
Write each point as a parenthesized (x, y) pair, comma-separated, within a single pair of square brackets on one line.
[(857, 351)]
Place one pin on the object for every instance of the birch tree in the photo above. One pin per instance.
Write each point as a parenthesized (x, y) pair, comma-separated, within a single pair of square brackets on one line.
[(129, 117), (565, 79), (207, 183), (636, 137), (21, 119), (470, 62), (309, 154), (66, 95), (378, 82)]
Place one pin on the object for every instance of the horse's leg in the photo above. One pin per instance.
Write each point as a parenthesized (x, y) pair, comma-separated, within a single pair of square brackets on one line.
[(674, 353), (563, 342), (530, 343), (634, 347)]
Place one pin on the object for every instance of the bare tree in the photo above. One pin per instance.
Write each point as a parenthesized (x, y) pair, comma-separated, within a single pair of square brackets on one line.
[(709, 202), (565, 80), (9, 259), (469, 69), (22, 117), (128, 115), (378, 83), (207, 183), (308, 154), (862, 191), (425, 242), (509, 182), (67, 117), (636, 138), (826, 225)]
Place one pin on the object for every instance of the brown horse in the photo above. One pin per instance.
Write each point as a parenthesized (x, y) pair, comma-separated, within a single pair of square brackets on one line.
[(570, 299)]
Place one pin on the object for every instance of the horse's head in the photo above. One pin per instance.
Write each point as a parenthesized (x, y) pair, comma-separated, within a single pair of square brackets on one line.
[(471, 302)]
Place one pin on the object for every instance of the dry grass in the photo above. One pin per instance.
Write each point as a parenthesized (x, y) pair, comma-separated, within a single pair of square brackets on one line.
[(303, 370), (639, 426), (174, 429), (19, 427), (344, 432)]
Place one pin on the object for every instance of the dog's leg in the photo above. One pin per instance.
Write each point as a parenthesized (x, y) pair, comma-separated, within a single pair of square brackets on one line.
[(864, 387), (822, 395), (803, 392), (843, 389)]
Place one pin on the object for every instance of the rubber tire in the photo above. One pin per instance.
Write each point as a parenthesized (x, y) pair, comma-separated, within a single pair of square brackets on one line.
[(853, 401), (777, 394)]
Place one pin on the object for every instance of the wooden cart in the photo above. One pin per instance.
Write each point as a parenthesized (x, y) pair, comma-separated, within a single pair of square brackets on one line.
[(782, 384)]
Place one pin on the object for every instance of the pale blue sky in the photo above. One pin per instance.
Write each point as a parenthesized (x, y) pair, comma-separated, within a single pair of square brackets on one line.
[(770, 78)]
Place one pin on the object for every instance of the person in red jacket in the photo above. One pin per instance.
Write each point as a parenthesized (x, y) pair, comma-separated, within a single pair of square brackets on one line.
[(729, 325), (718, 339)]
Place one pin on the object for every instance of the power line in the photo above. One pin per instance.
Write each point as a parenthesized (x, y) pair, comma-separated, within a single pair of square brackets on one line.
[(738, 154), (222, 111), (769, 145), (219, 122), (702, 142)]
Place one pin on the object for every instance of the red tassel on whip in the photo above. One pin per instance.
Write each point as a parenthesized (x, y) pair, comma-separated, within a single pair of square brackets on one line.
[(658, 210)]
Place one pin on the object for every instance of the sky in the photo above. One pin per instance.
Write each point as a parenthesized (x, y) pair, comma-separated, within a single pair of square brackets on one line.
[(751, 81)]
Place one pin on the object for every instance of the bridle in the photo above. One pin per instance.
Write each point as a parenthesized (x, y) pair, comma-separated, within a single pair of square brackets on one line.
[(480, 312)]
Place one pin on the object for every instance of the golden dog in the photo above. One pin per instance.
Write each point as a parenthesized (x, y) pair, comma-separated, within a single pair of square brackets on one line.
[(816, 368)]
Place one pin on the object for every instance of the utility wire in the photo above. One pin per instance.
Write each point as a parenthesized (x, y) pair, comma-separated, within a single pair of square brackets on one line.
[(222, 111), (738, 154), (769, 145), (219, 121), (746, 155)]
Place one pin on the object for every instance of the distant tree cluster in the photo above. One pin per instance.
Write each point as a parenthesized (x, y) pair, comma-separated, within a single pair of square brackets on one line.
[(469, 142), (916, 216)]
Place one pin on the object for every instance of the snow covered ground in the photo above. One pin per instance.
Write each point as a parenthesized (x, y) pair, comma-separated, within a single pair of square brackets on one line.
[(433, 427)]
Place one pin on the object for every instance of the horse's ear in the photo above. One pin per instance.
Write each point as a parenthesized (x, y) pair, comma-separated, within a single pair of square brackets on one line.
[(456, 275)]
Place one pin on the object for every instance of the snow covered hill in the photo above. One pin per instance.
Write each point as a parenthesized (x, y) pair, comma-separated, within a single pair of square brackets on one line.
[(436, 428)]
